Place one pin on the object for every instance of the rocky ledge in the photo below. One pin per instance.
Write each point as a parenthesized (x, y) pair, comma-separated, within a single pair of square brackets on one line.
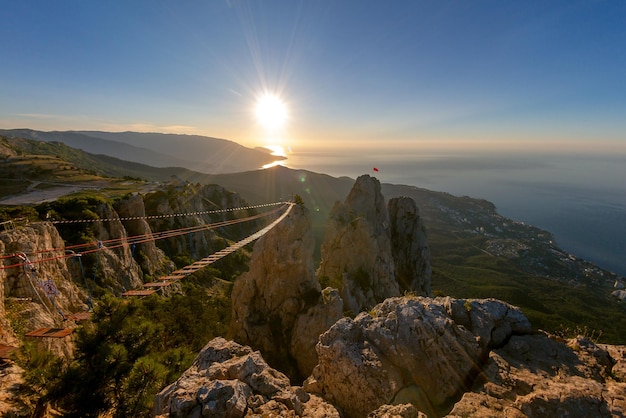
[(410, 357), (231, 380)]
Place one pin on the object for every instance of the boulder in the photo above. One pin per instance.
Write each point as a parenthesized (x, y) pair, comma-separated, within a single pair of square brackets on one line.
[(406, 350), (491, 320), (539, 375), (231, 380)]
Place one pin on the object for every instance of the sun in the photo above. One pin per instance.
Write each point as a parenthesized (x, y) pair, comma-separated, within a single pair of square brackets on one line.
[(271, 111), (276, 150)]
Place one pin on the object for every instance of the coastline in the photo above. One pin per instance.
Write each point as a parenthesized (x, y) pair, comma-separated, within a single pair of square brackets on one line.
[(578, 199)]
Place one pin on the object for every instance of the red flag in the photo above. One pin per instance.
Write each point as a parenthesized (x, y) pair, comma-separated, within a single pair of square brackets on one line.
[(376, 169)]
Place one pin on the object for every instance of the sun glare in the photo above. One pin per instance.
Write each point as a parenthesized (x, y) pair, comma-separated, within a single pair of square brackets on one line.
[(271, 112), (277, 150)]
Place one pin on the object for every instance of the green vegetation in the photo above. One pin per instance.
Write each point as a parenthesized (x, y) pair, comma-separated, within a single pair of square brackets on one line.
[(129, 351), (462, 270), (18, 214), (362, 279), (132, 348), (55, 161), (297, 199), (72, 208), (336, 282)]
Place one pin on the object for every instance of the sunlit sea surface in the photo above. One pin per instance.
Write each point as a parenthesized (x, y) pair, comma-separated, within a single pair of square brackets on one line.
[(580, 199)]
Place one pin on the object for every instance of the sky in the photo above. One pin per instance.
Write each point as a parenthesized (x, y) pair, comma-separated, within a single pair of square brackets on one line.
[(386, 76)]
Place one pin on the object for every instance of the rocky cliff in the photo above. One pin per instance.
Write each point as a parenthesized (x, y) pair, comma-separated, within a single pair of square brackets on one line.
[(409, 357), (39, 294), (43, 282), (195, 203), (356, 252), (406, 356), (371, 252), (278, 305), (118, 268), (409, 246), (113, 267), (151, 259)]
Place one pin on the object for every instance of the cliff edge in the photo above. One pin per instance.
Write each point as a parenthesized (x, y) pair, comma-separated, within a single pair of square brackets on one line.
[(410, 357)]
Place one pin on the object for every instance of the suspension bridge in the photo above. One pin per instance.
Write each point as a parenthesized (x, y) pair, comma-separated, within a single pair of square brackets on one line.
[(28, 262)]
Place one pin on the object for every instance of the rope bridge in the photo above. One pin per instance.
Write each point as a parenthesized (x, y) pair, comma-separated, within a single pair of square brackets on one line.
[(147, 288)]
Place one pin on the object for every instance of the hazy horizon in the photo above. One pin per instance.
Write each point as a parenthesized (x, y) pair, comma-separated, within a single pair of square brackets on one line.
[(450, 75), (579, 198)]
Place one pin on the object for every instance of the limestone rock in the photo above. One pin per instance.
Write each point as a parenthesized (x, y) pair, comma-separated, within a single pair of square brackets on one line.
[(413, 357), (118, 268), (231, 380), (11, 403), (25, 286), (618, 355), (535, 375), (405, 349), (151, 259), (493, 321), (356, 252), (397, 411), (310, 325), (196, 202), (409, 246), (277, 305)]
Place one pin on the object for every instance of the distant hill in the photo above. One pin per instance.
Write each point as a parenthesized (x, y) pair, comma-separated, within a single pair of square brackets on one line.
[(102, 165), (198, 153), (475, 252)]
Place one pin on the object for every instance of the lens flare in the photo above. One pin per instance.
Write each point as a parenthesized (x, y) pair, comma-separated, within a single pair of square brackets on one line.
[(271, 111)]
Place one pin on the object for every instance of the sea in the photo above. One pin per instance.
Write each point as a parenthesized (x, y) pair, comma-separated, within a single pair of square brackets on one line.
[(579, 198)]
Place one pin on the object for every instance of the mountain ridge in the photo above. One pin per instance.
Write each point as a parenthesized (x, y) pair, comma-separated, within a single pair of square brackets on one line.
[(158, 150), (475, 251)]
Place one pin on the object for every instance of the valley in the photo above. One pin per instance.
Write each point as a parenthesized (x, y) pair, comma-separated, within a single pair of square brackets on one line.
[(475, 251), (472, 256)]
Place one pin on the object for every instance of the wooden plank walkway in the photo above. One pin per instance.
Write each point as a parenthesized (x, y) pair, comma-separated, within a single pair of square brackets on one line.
[(171, 278), (5, 350), (157, 285), (79, 316), (139, 292), (50, 333)]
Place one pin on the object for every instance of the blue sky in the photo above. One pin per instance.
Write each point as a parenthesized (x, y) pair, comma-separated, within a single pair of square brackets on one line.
[(355, 74)]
